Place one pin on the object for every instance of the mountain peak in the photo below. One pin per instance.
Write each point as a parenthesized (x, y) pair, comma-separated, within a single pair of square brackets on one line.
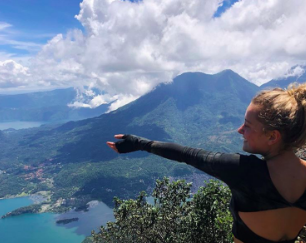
[(227, 71)]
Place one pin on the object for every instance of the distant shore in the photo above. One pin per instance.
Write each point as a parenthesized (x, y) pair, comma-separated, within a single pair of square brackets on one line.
[(36, 197), (16, 196)]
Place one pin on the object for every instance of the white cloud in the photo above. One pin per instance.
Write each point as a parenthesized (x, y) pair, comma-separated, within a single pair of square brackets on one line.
[(297, 71), (88, 99), (12, 74), (5, 56), (22, 45), (4, 25), (121, 100), (128, 48)]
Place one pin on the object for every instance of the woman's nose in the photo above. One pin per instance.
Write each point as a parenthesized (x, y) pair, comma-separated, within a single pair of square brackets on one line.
[(240, 129)]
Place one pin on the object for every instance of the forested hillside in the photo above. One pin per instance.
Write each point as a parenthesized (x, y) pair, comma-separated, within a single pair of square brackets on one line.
[(72, 161)]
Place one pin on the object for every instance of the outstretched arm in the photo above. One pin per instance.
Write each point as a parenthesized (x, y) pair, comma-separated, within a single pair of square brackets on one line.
[(226, 167)]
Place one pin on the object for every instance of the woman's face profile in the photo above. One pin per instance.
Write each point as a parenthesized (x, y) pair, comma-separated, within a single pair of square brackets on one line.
[(255, 139)]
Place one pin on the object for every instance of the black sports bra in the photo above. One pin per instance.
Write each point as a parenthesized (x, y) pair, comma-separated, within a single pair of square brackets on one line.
[(247, 176)]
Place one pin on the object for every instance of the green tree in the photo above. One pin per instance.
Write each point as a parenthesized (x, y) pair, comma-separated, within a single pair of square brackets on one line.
[(174, 216)]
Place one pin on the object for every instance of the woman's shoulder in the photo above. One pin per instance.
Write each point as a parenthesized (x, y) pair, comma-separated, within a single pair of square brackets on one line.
[(252, 162), (252, 158)]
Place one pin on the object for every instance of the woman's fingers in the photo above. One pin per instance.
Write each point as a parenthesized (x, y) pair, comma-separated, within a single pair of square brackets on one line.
[(119, 136), (112, 146)]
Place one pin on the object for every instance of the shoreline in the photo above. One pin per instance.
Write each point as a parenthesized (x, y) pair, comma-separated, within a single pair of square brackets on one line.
[(42, 199), (16, 196), (37, 198)]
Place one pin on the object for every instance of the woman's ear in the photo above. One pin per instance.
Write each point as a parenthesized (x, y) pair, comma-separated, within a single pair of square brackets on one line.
[(274, 137)]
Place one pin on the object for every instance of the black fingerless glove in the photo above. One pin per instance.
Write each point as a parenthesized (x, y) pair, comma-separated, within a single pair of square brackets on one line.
[(131, 143)]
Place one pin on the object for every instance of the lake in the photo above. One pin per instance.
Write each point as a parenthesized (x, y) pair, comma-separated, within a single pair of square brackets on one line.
[(37, 228)]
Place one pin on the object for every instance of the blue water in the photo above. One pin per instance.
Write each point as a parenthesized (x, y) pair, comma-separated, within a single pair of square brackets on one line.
[(99, 214), (38, 228)]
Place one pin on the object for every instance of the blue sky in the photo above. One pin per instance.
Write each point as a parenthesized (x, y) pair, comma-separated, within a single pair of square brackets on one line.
[(34, 22), (225, 6)]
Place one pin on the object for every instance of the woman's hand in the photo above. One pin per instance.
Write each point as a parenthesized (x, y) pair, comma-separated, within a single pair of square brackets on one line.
[(129, 143), (112, 145)]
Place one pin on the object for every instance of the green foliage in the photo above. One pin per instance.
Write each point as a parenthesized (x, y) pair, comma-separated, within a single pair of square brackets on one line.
[(12, 185), (211, 213), (173, 217)]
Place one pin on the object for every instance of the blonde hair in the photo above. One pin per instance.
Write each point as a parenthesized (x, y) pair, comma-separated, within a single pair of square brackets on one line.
[(284, 110)]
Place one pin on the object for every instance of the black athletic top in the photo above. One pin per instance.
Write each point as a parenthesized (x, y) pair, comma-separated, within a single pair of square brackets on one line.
[(247, 176)]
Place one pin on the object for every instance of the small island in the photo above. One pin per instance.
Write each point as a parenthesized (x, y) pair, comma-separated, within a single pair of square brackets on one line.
[(66, 221), (35, 208)]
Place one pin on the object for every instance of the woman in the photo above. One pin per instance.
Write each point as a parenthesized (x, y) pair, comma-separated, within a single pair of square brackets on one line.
[(268, 195)]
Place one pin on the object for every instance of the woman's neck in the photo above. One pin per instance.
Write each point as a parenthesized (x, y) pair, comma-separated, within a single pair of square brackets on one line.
[(283, 157)]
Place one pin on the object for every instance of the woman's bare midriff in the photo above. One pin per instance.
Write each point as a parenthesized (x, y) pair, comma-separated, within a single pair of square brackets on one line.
[(237, 241), (275, 225)]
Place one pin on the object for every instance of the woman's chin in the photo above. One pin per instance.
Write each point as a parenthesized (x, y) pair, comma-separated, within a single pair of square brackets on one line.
[(246, 149)]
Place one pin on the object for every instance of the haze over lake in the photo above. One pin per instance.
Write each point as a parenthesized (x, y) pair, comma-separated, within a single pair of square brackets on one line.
[(19, 124)]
